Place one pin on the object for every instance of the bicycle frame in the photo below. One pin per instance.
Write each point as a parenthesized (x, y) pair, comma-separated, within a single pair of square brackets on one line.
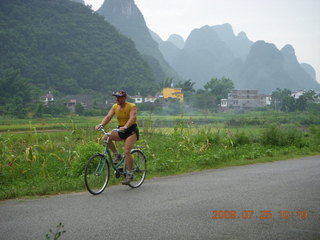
[(107, 153)]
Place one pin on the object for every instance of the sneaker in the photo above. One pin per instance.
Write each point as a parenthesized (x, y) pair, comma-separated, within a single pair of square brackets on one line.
[(117, 158), (128, 179)]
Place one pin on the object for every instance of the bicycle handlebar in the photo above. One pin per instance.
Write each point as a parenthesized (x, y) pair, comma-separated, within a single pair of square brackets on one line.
[(101, 128)]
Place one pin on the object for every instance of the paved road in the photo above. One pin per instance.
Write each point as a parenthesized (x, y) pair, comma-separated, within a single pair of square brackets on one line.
[(181, 207)]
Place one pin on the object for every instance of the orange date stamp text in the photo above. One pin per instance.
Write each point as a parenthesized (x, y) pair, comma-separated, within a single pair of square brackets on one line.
[(259, 214)]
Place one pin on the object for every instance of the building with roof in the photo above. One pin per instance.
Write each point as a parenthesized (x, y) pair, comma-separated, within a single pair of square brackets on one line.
[(176, 93), (245, 99)]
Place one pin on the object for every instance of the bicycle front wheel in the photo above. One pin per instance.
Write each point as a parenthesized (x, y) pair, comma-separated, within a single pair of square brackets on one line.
[(97, 174), (139, 168)]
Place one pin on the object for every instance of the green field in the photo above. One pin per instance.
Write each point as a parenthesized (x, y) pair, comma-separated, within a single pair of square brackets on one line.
[(47, 156)]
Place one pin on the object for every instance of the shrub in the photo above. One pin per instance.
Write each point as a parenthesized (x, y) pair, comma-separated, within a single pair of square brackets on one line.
[(277, 136), (85, 152), (271, 136), (241, 138), (315, 135)]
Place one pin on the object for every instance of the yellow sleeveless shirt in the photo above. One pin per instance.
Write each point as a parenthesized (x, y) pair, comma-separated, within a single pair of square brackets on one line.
[(124, 114)]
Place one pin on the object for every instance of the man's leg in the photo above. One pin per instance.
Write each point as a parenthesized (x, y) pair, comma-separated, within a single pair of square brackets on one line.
[(130, 141), (128, 145), (114, 137)]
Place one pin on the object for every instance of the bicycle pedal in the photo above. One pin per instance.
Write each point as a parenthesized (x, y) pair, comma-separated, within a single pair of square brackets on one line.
[(117, 174)]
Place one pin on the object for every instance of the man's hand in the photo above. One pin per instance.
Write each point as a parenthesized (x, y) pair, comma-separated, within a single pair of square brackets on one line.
[(122, 129), (99, 127)]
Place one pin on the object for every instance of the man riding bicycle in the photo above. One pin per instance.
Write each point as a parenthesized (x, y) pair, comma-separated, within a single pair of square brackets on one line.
[(126, 114)]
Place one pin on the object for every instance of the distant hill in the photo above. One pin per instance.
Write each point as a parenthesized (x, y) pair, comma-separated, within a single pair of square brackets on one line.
[(203, 54), (216, 52), (309, 69), (239, 45), (177, 40), (79, 1), (65, 46), (127, 18)]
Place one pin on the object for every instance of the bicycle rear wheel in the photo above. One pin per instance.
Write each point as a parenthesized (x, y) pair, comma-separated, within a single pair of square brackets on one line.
[(139, 168), (97, 173)]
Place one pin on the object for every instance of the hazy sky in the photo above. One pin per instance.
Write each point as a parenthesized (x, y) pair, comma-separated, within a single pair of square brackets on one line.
[(295, 22)]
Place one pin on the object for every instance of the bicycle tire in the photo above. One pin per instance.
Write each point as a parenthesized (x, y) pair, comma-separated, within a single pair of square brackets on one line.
[(97, 173), (139, 168)]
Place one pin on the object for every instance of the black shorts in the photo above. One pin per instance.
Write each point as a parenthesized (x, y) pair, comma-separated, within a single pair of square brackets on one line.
[(133, 129)]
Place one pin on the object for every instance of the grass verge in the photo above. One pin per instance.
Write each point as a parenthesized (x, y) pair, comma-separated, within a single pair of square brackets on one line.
[(34, 164)]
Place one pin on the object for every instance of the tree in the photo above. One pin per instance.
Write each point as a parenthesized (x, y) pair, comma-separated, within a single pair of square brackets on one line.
[(15, 93), (62, 52), (219, 88), (39, 110), (187, 89), (306, 100), (282, 100), (166, 83), (203, 100), (79, 109)]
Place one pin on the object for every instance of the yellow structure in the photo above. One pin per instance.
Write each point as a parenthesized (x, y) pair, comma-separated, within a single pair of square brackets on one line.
[(173, 93)]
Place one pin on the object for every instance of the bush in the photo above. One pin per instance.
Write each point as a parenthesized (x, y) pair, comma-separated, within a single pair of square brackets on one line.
[(85, 151), (276, 136), (315, 136), (241, 138)]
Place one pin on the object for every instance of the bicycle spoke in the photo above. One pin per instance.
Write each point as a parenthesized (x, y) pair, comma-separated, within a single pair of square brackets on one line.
[(139, 168), (96, 174)]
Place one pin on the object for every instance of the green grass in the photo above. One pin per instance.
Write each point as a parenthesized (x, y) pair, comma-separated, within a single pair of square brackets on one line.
[(229, 119), (37, 163)]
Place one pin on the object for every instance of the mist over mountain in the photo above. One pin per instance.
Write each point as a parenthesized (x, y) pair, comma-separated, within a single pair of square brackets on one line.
[(294, 69), (214, 52), (66, 47), (127, 18), (79, 1), (177, 40), (202, 56), (309, 69), (239, 45), (156, 37), (264, 68)]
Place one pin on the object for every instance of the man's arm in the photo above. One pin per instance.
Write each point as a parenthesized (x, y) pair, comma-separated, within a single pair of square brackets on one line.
[(132, 117), (107, 118)]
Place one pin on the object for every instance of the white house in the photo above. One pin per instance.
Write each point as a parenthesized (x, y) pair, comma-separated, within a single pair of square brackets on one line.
[(47, 99), (150, 98), (297, 94), (140, 99), (137, 98), (245, 99)]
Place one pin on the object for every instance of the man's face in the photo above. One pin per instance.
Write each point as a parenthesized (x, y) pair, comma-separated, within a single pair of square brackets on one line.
[(120, 100)]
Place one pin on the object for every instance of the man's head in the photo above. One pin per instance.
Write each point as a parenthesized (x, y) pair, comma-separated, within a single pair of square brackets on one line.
[(120, 93), (121, 96)]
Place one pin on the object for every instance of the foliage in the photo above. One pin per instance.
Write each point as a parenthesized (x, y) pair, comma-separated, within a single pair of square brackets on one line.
[(15, 93), (187, 89), (207, 99), (277, 136), (57, 234), (64, 46), (35, 163), (154, 108), (203, 100), (175, 107), (167, 83), (219, 88), (85, 152), (284, 101)]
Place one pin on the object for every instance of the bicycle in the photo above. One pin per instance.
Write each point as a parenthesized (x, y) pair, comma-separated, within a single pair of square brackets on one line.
[(97, 170)]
